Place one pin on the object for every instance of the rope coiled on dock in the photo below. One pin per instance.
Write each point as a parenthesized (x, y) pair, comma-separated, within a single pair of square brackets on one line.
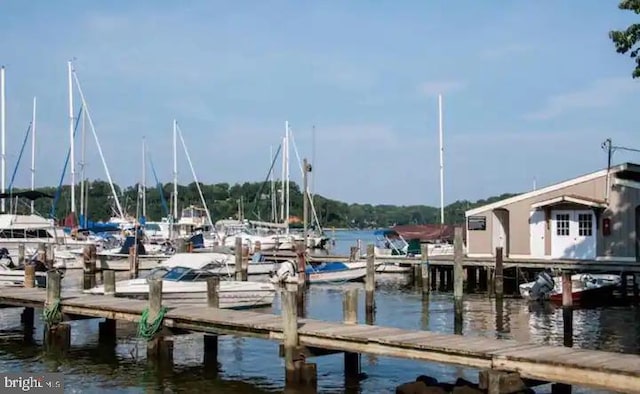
[(146, 330), (51, 314)]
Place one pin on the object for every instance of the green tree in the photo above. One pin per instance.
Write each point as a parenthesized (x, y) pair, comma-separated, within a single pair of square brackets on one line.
[(627, 40)]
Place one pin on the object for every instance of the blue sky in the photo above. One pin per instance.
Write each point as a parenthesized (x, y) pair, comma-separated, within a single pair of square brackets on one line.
[(531, 89)]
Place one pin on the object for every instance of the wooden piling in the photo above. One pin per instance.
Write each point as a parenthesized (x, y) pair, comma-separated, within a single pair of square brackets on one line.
[(89, 256), (370, 280), (238, 254), (28, 321), (350, 316), (353, 253), (426, 270), (458, 279), (29, 276), (291, 342), (42, 253), (57, 336), (301, 260), (107, 332), (499, 276), (50, 255), (181, 245), (133, 262), (210, 358), (21, 255), (417, 275), (245, 263), (109, 281), (158, 349)]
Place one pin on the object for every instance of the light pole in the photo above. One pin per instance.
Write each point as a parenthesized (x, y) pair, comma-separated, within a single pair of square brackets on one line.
[(610, 148)]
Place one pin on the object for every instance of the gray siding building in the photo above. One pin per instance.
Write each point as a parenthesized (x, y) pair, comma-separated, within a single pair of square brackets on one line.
[(592, 217)]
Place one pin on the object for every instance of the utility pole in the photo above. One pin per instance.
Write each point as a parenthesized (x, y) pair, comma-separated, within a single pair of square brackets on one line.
[(305, 201), (610, 148)]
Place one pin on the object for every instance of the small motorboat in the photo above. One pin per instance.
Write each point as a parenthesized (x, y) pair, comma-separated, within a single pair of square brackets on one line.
[(12, 274), (189, 285), (584, 287), (327, 272)]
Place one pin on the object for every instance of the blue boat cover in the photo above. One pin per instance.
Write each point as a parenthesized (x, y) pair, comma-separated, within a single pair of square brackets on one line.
[(327, 267)]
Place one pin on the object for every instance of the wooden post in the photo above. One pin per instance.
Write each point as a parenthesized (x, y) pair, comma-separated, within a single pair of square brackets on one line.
[(57, 336), (107, 332), (157, 348), (181, 245), (458, 279), (426, 270), (417, 275), (89, 256), (245, 263), (21, 254), (42, 253), (370, 281), (350, 316), (499, 277), (567, 309), (238, 254), (28, 321), (189, 247), (353, 253), (50, 255), (109, 281), (490, 282), (291, 342), (133, 262), (211, 341), (29, 276), (302, 263)]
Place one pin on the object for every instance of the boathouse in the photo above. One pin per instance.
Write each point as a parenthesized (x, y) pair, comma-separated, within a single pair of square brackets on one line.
[(591, 217)]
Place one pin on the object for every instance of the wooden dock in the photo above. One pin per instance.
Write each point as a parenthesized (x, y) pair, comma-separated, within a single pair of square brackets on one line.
[(597, 369)]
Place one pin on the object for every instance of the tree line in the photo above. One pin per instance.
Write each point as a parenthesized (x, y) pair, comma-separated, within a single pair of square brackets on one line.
[(250, 199)]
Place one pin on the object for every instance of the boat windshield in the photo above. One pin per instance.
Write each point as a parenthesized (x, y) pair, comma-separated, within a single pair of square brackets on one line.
[(186, 274)]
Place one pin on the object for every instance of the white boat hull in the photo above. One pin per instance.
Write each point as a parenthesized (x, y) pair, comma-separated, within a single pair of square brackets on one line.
[(232, 295), (9, 277), (605, 281)]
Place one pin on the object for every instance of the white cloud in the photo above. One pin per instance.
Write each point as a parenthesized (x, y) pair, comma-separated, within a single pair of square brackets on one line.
[(432, 88), (602, 93)]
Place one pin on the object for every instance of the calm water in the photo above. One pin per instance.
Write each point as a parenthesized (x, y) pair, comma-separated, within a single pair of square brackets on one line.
[(253, 366)]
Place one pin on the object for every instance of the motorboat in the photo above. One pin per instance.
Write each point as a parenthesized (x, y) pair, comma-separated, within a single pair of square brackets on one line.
[(12, 274), (189, 285), (326, 272), (584, 287)]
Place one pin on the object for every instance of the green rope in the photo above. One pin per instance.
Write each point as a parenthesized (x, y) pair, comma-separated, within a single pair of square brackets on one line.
[(146, 330), (51, 314)]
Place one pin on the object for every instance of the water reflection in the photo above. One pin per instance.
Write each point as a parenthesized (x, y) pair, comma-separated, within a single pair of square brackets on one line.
[(252, 365)]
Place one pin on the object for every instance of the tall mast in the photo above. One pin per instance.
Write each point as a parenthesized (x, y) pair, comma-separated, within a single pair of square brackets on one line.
[(3, 125), (282, 181), (144, 180), (274, 217), (441, 159), (33, 152), (286, 149), (175, 169), (82, 169), (72, 147)]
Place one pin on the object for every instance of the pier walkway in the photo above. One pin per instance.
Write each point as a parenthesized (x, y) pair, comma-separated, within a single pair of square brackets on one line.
[(597, 369)]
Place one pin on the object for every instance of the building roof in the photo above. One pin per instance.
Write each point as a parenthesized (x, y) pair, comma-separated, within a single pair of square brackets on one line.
[(425, 232), (584, 178), (588, 202)]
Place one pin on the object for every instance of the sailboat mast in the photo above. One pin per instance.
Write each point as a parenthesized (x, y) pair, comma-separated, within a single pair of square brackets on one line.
[(440, 131), (282, 181), (3, 131), (272, 187), (33, 152), (72, 147), (286, 149), (144, 179), (82, 169), (175, 169)]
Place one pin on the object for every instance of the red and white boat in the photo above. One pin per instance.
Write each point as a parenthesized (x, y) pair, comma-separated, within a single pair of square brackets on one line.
[(584, 287)]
